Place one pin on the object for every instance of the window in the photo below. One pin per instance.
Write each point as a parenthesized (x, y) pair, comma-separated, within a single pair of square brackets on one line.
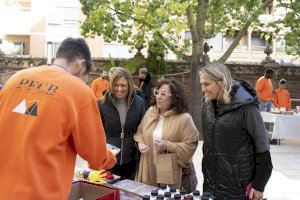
[(18, 48), (216, 42), (63, 16), (258, 42), (269, 9), (280, 44), (55, 17), (188, 35), (25, 6), (70, 16), (55, 48)]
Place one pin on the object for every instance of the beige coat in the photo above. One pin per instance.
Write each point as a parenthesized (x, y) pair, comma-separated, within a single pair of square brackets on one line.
[(181, 137)]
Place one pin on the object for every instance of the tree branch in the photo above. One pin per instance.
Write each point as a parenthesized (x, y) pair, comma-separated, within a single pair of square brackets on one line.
[(243, 31), (200, 24), (164, 40), (191, 21), (201, 15), (212, 27)]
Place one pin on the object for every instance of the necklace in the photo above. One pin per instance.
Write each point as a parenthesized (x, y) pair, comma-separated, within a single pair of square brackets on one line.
[(60, 66)]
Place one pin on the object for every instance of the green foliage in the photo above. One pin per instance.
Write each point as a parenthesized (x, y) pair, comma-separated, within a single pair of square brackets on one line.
[(111, 63), (291, 20), (136, 22), (229, 15), (287, 25), (155, 61), (133, 65)]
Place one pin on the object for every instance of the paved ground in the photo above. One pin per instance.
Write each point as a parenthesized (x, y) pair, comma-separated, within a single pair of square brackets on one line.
[(284, 183)]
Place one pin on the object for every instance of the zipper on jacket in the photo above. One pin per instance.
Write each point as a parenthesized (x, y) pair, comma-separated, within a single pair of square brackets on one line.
[(213, 151), (122, 134), (122, 144)]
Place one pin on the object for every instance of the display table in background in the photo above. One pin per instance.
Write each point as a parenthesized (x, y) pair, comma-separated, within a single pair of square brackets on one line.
[(285, 126)]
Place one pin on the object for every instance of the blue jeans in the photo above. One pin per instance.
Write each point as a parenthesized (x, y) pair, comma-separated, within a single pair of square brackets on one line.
[(266, 106)]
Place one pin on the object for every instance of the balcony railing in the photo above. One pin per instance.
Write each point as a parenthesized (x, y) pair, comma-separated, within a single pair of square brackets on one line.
[(258, 48)]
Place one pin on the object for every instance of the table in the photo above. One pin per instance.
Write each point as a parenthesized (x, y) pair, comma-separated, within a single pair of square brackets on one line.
[(285, 126)]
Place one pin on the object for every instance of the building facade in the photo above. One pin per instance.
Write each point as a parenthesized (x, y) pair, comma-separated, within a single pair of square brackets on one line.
[(37, 27)]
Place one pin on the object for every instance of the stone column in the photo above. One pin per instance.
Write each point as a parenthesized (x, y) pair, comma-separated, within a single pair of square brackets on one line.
[(249, 40)]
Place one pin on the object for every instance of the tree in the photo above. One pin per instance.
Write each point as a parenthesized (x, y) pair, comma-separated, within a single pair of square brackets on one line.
[(155, 60), (134, 22), (287, 25)]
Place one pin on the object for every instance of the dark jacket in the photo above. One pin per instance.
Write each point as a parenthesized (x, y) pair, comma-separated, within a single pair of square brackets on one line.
[(147, 89), (233, 134), (112, 126)]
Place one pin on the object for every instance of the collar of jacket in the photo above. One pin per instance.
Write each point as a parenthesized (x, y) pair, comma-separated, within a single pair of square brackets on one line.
[(242, 93), (155, 112)]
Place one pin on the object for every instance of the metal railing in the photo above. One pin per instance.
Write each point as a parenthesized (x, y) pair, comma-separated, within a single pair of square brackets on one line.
[(295, 100)]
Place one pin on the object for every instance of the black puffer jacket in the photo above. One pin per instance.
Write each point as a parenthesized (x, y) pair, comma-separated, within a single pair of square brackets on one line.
[(112, 126), (147, 89), (233, 134)]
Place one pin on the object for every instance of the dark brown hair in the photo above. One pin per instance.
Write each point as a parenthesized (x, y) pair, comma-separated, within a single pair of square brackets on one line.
[(178, 100)]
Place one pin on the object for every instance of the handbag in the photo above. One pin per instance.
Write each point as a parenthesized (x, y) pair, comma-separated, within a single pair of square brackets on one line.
[(189, 179), (166, 168)]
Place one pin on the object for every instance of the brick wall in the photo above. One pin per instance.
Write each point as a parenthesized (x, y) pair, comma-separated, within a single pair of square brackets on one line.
[(177, 69)]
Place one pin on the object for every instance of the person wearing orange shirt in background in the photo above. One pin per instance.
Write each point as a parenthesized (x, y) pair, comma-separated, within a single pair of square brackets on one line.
[(48, 115), (100, 85), (265, 91), (282, 96)]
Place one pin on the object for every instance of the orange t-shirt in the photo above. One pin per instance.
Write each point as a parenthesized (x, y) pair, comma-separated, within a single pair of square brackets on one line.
[(282, 99), (47, 116), (264, 89), (99, 85)]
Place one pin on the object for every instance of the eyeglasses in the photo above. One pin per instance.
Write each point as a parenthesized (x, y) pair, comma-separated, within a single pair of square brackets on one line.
[(161, 94)]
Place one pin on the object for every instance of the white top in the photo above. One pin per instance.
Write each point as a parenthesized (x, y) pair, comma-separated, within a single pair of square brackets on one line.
[(157, 133)]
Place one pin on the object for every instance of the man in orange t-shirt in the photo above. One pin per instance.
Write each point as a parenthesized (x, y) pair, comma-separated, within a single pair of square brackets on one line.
[(47, 117), (265, 91), (282, 96), (100, 85)]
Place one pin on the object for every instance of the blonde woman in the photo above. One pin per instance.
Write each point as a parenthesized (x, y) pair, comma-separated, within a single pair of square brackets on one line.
[(167, 126), (236, 160), (121, 112)]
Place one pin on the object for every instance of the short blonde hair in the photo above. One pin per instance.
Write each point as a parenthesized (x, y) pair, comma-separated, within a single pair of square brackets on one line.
[(220, 73)]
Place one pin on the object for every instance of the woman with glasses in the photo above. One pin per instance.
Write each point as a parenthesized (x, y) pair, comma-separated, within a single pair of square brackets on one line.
[(121, 112), (167, 127)]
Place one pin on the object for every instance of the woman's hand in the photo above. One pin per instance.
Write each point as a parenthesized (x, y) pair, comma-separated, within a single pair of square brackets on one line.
[(160, 145), (255, 195), (144, 149)]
